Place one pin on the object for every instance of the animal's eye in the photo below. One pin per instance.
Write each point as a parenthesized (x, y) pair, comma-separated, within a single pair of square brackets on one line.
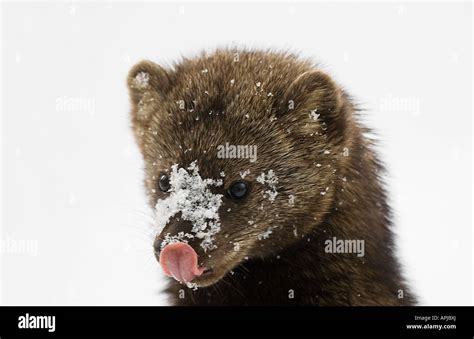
[(164, 183), (238, 189)]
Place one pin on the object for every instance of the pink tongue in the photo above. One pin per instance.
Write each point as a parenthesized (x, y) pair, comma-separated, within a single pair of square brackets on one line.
[(179, 260)]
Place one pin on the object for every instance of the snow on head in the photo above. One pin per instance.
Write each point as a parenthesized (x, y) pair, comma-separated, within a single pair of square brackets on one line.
[(141, 80), (190, 195), (266, 234), (314, 115)]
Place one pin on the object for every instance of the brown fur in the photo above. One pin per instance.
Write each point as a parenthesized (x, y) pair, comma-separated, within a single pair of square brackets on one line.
[(328, 165)]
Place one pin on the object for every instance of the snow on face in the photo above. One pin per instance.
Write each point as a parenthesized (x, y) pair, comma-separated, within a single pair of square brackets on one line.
[(270, 180), (190, 195)]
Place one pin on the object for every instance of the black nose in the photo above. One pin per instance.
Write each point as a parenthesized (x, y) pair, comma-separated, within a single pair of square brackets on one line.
[(157, 246), (174, 227)]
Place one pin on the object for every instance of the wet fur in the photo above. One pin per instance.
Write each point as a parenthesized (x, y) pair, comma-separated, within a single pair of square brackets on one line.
[(339, 194)]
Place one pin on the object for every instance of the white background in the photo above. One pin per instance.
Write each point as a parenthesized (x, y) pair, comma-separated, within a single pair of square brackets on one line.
[(72, 179)]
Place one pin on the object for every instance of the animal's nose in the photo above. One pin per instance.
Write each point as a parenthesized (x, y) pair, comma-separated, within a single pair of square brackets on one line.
[(157, 246), (175, 226)]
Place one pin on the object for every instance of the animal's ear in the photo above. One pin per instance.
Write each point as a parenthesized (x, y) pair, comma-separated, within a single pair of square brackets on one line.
[(312, 98), (147, 83), (146, 77)]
